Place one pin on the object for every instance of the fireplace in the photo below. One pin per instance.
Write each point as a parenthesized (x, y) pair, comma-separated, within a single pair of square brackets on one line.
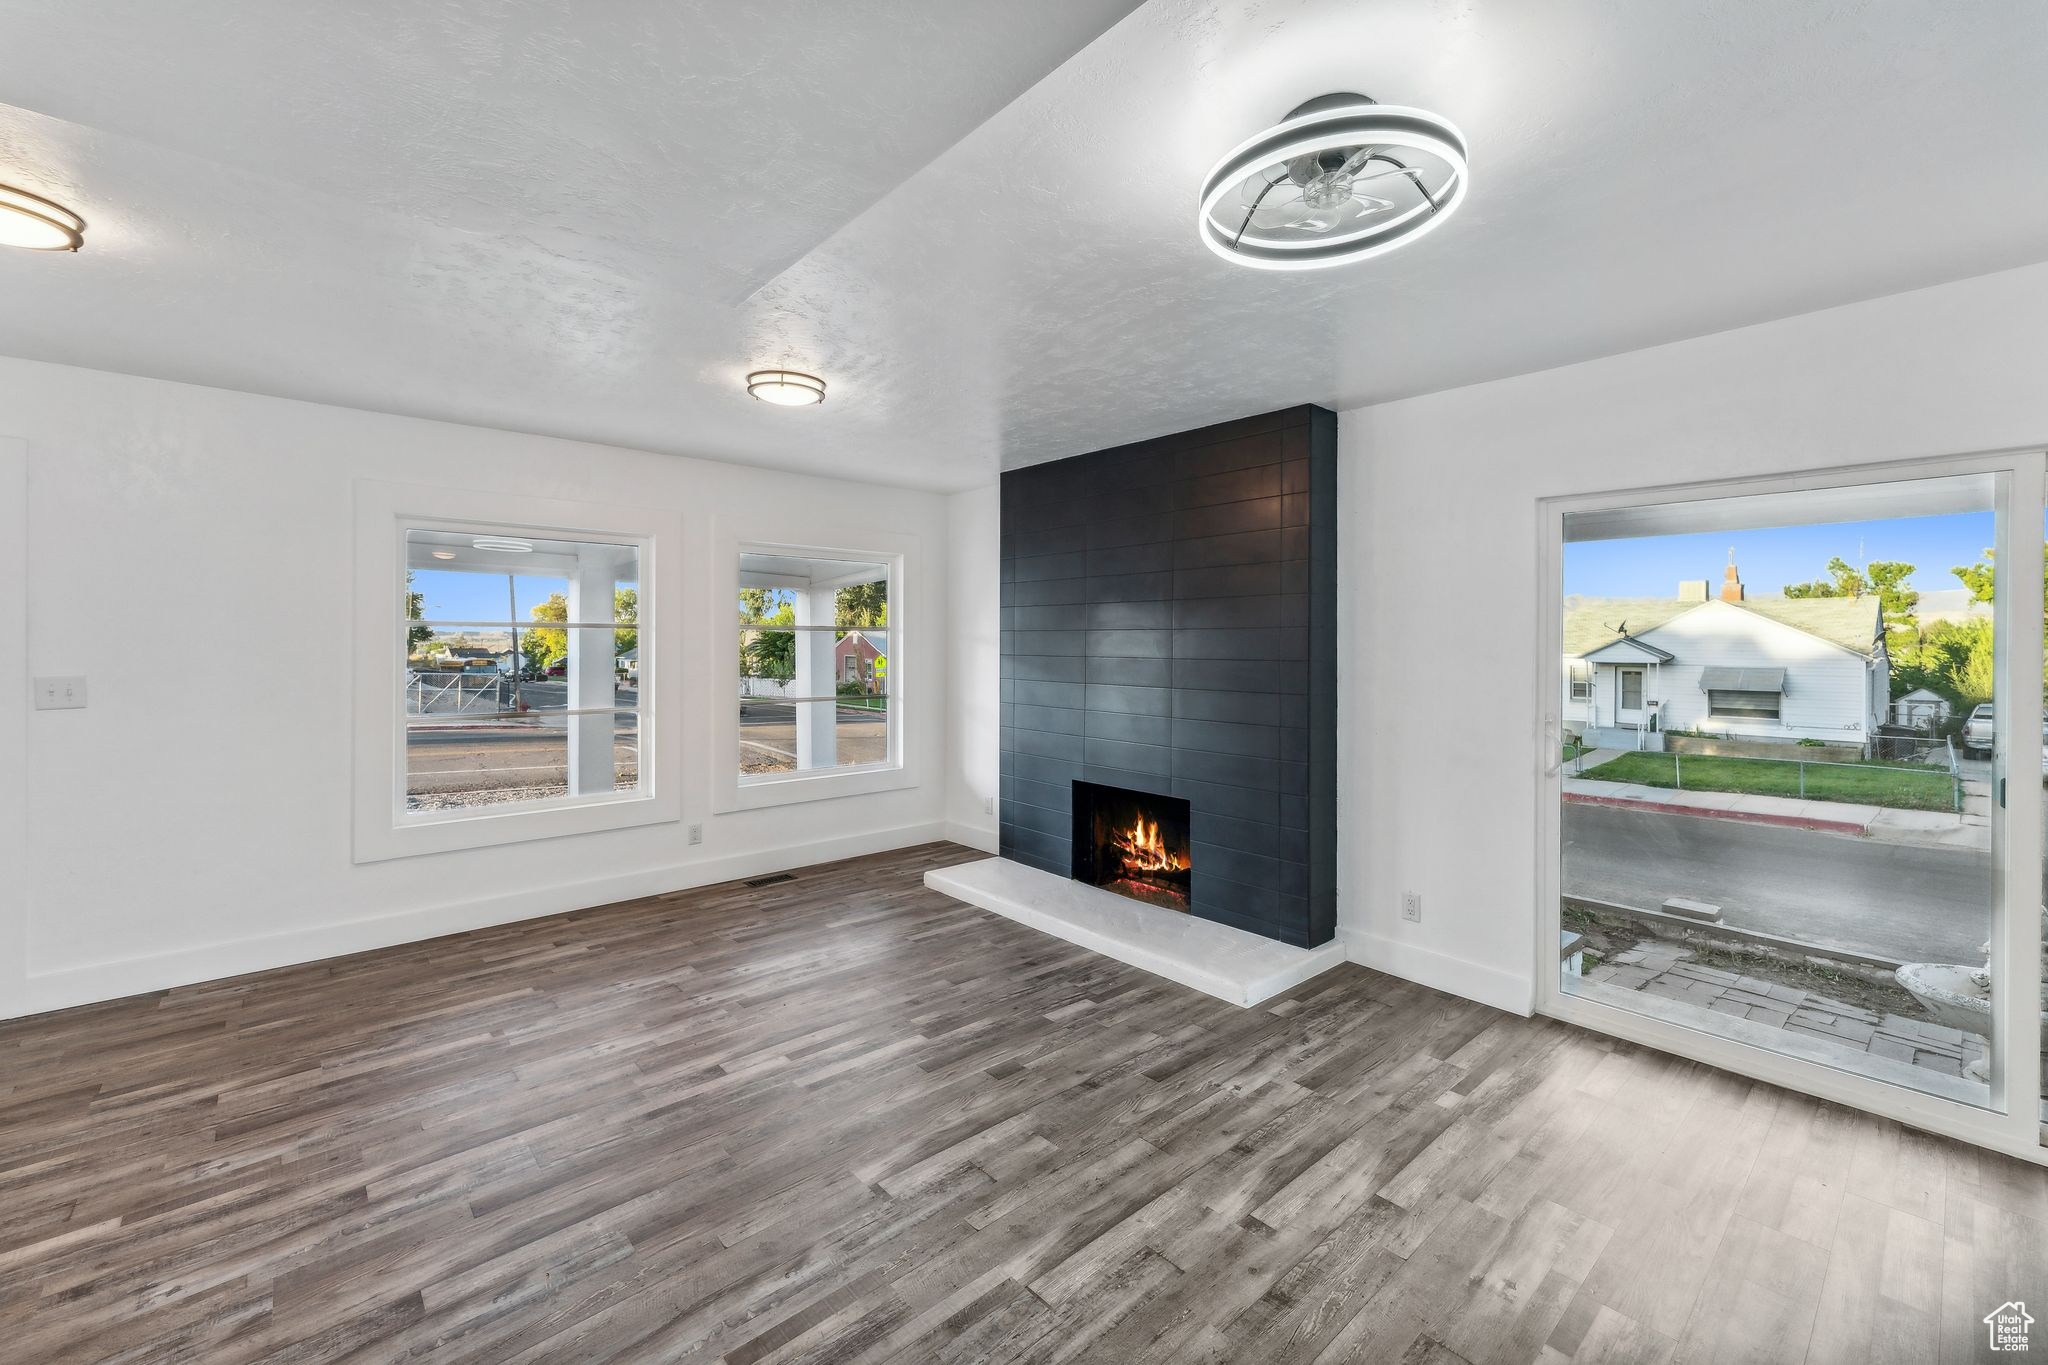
[(1133, 843), (1169, 624)]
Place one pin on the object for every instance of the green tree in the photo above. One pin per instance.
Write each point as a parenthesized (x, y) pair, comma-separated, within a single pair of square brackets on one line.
[(626, 610), (1973, 680), (1897, 601), (771, 654), (415, 608), (757, 604), (864, 604), (1842, 582), (1889, 579), (543, 647), (1981, 579), (1953, 658), (767, 653)]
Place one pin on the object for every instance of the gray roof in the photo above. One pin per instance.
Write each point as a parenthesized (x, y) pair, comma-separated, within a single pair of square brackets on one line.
[(1851, 622), (1628, 649)]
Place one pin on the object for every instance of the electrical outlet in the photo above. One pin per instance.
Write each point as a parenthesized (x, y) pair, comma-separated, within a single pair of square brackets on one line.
[(59, 694), (1411, 906), (988, 805), (696, 834)]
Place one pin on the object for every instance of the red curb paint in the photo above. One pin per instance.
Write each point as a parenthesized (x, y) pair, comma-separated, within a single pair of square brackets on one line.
[(1753, 817)]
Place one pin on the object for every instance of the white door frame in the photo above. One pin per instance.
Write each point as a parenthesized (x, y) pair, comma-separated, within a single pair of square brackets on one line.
[(2013, 1123)]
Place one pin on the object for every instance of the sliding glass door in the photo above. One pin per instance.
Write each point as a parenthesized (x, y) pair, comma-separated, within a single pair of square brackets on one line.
[(1783, 739)]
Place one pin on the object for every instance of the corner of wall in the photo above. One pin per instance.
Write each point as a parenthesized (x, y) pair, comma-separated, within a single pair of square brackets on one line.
[(974, 666)]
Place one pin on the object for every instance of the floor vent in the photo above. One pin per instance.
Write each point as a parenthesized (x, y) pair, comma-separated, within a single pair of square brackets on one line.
[(771, 881)]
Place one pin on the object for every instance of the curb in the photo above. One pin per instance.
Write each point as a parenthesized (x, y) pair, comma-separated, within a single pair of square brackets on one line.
[(1729, 933), (1753, 817)]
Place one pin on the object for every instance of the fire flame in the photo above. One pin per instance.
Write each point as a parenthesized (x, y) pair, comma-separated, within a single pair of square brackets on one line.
[(1145, 851)]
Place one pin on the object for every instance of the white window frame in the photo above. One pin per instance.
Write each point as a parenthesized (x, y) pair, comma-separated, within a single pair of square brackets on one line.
[(730, 791), (1581, 679), (383, 828), (2013, 1122)]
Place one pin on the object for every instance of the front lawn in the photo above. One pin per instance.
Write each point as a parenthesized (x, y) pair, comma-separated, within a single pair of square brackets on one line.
[(1905, 786)]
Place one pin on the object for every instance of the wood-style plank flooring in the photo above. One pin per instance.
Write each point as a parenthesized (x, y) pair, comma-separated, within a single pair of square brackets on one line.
[(846, 1119)]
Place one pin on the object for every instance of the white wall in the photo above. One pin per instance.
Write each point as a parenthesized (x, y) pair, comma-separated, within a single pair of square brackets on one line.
[(14, 703), (1439, 550), (973, 648), (189, 825)]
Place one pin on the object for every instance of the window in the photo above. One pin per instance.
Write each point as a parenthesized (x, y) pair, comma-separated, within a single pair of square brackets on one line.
[(506, 663), (1923, 1031), (1742, 705), (520, 681), (798, 713), (1582, 680)]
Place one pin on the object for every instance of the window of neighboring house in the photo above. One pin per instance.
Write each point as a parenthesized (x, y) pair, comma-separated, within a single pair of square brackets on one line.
[(1743, 705), (1582, 681), (796, 714), (520, 688)]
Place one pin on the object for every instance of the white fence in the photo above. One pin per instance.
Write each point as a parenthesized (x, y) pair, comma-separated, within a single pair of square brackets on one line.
[(455, 693)]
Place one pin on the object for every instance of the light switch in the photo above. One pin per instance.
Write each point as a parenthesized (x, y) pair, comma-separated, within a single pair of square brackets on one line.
[(60, 694)]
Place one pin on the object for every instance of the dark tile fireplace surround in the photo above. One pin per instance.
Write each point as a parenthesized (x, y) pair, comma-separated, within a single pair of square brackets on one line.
[(1169, 619)]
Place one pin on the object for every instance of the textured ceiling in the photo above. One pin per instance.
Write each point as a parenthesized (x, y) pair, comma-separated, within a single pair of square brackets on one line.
[(973, 217)]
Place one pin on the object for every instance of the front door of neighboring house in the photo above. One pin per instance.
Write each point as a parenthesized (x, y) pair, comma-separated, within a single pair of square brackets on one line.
[(1628, 707)]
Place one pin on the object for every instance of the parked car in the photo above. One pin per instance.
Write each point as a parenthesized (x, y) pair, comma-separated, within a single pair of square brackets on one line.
[(1979, 731)]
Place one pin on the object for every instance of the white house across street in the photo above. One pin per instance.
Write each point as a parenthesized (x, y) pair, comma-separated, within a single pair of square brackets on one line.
[(1764, 668)]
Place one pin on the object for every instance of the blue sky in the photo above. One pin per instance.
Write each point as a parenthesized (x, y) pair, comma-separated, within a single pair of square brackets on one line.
[(1653, 566), (452, 596)]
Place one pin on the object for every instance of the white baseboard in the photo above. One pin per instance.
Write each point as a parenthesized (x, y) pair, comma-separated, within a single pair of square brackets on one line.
[(110, 980), (974, 836), (1441, 971)]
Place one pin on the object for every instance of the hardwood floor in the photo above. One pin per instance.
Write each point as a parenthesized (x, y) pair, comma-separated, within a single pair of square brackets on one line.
[(846, 1119)]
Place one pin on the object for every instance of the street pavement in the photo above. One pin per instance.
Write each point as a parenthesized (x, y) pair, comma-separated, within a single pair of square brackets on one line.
[(453, 757), (1917, 904)]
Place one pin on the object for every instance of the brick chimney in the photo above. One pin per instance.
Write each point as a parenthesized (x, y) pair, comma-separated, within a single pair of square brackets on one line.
[(1731, 581)]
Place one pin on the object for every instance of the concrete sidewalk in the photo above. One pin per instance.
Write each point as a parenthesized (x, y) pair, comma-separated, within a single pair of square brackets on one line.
[(1920, 828)]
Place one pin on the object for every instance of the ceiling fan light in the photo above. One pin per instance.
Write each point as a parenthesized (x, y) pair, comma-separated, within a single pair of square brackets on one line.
[(34, 223), (1417, 147), (786, 388)]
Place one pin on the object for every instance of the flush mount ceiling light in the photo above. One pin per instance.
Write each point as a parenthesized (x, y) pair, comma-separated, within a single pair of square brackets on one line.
[(787, 388), (31, 221), (444, 554), (1339, 179), (504, 545)]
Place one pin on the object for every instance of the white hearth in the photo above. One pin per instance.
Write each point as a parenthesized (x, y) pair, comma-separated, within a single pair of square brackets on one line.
[(1216, 959)]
